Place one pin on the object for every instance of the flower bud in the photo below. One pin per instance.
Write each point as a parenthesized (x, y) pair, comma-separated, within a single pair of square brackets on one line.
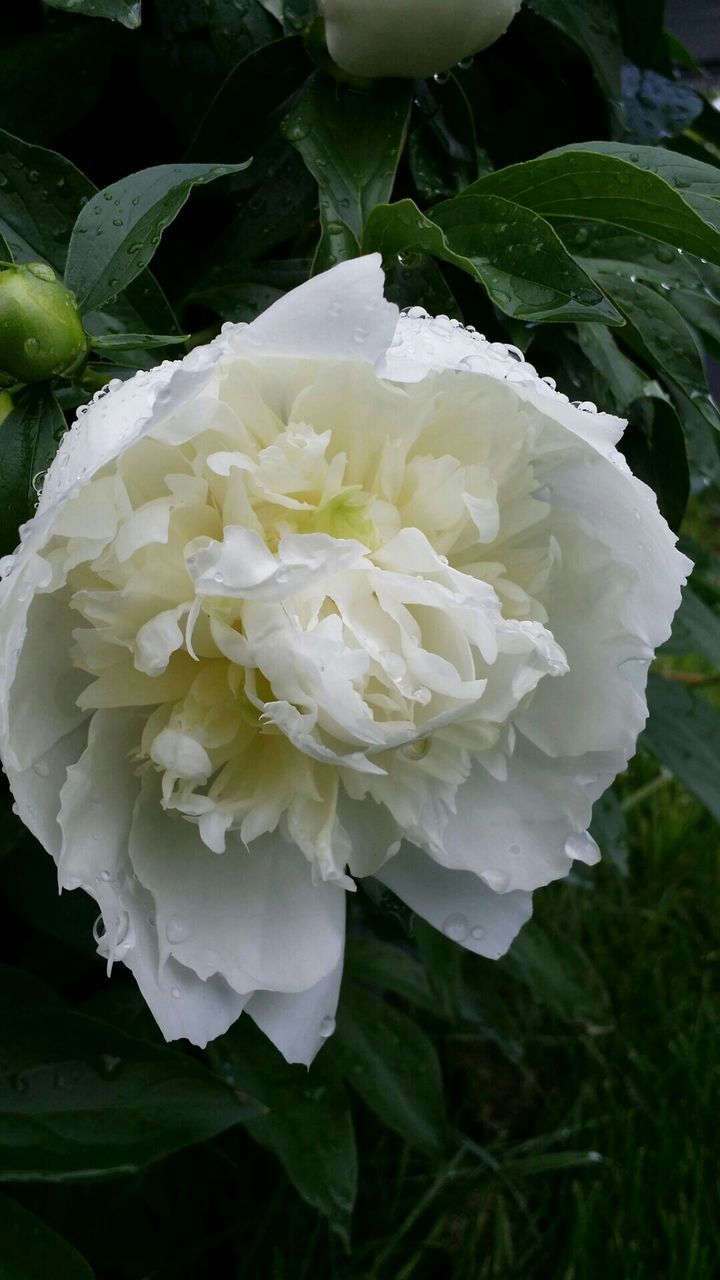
[(411, 37), (41, 333)]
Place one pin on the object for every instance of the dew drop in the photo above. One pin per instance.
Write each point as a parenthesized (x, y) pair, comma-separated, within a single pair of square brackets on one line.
[(41, 768), (456, 927), (177, 930), (477, 932), (327, 1026), (175, 993)]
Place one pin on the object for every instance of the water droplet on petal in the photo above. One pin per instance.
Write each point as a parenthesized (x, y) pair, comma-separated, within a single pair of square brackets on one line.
[(327, 1026), (456, 927)]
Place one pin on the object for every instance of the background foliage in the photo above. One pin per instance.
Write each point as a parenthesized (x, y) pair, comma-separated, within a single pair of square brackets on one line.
[(545, 1115)]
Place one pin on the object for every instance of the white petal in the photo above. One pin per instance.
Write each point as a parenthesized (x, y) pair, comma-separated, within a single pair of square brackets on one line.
[(40, 696), (254, 917), (513, 833), (241, 564), (37, 789), (298, 1024), (338, 315), (96, 815), (457, 902)]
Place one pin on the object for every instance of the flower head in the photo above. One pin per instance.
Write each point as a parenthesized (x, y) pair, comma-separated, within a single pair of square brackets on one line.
[(340, 595), (411, 38)]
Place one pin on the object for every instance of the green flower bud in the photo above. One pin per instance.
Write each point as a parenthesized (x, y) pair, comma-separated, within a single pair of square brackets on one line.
[(41, 332), (6, 405)]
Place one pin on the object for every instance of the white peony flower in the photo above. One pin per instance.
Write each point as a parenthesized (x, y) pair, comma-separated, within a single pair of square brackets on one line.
[(338, 595), (411, 37)]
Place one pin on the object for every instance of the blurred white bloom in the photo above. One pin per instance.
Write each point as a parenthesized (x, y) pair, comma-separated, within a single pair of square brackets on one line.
[(411, 37), (339, 595)]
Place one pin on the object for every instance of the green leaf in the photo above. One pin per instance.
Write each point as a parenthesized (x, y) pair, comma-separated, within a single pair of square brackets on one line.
[(140, 341), (239, 26), (654, 446), (684, 733), (250, 102), (656, 107), (593, 26), (117, 232), (390, 968), (80, 1099), (30, 1250), (127, 12), (17, 987), (624, 379), (609, 828), (511, 251), (679, 171), (596, 186), (392, 1064), (29, 438), (308, 1125), (241, 291), (696, 629), (657, 331), (350, 140), (40, 196)]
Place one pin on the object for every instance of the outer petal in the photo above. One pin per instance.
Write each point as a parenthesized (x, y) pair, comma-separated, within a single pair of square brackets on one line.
[(411, 37), (457, 902), (298, 1024), (95, 819), (253, 916), (338, 315), (523, 832)]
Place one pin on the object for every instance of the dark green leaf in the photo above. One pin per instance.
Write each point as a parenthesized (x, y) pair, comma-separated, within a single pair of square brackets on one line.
[(248, 105), (141, 341), (654, 446), (679, 171), (308, 1124), (238, 27), (390, 968), (240, 291), (609, 828), (79, 1098), (696, 629), (442, 149), (127, 12), (30, 1250), (657, 331), (593, 26), (393, 1066), (684, 733), (18, 987), (597, 186), (41, 194), (40, 198), (350, 140), (624, 379), (656, 107), (511, 251), (117, 232), (29, 439)]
